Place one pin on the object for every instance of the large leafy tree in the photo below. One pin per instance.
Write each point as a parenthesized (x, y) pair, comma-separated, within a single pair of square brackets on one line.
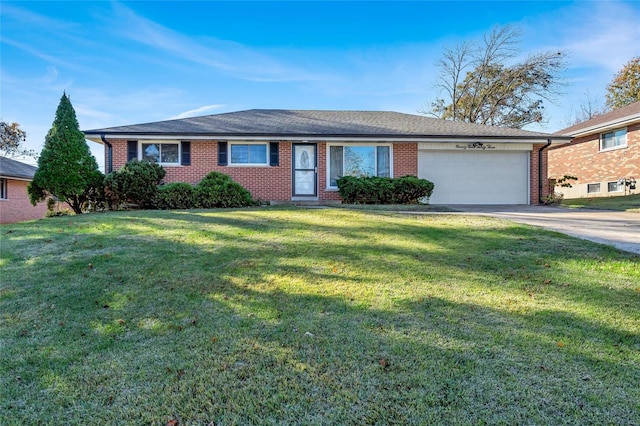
[(11, 139), (479, 87), (624, 89), (66, 168)]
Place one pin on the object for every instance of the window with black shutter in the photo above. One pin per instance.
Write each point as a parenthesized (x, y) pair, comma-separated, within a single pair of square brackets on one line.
[(185, 153), (274, 154), (132, 150), (222, 154)]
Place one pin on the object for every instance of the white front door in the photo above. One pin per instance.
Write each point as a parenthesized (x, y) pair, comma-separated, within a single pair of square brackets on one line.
[(305, 170)]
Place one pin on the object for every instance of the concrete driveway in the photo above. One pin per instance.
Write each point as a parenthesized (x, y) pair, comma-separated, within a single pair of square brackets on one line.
[(618, 229)]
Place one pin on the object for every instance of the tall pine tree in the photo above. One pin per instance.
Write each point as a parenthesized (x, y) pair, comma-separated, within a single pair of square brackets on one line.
[(66, 168)]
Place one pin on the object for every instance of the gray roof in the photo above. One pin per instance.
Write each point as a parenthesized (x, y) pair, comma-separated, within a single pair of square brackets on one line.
[(14, 169), (320, 123), (615, 117)]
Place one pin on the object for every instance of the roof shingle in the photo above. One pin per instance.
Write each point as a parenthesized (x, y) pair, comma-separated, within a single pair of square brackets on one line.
[(276, 122), (11, 168), (602, 120)]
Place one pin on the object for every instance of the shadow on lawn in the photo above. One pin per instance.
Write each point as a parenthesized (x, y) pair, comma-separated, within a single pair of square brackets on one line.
[(249, 352), (501, 253)]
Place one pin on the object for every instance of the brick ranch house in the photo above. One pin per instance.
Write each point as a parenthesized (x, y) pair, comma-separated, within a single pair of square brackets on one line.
[(604, 155), (297, 155), (14, 199)]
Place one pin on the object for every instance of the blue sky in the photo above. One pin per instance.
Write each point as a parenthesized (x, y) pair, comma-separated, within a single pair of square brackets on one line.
[(136, 62)]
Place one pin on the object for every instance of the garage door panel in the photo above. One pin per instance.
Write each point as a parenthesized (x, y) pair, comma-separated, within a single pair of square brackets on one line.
[(476, 177)]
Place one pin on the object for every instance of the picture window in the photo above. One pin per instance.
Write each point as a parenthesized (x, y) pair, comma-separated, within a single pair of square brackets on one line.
[(161, 153), (248, 154), (358, 160)]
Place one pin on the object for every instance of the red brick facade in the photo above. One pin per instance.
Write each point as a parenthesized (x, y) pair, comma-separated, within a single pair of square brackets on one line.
[(583, 159), (17, 207), (265, 182), (538, 191)]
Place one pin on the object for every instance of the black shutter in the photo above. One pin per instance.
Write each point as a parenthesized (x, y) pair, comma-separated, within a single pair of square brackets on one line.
[(132, 150), (274, 154), (185, 153), (222, 153)]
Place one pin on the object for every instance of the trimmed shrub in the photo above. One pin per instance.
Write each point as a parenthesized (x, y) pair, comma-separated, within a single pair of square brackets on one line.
[(177, 195), (381, 190), (409, 189), (136, 182), (365, 190), (219, 190)]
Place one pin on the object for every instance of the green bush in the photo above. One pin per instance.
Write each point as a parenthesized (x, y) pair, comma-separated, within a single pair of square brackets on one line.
[(381, 190), (219, 190), (136, 182), (177, 195), (409, 189)]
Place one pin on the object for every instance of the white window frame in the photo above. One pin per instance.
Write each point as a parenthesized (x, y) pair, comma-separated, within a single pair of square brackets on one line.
[(619, 188), (372, 144), (3, 189), (230, 158), (614, 132), (595, 184), (160, 142)]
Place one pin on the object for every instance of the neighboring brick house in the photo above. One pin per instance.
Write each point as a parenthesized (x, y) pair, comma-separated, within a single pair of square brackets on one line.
[(604, 155), (297, 155), (14, 199)]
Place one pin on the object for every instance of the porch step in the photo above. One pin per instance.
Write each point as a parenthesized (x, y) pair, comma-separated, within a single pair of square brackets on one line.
[(305, 203)]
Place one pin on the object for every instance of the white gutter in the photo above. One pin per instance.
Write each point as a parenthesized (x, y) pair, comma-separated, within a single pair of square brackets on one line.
[(440, 139), (16, 178), (609, 125)]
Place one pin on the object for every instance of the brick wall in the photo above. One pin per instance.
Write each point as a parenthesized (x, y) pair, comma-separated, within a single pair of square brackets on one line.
[(17, 207), (534, 176), (265, 183), (405, 159), (582, 158)]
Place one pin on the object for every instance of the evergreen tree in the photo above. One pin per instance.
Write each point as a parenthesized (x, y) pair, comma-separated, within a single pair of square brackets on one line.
[(66, 168)]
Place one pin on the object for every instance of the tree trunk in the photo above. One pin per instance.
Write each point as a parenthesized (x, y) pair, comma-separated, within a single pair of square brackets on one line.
[(75, 205)]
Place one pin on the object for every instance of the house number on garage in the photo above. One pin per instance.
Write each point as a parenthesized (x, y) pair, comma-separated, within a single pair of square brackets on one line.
[(476, 146)]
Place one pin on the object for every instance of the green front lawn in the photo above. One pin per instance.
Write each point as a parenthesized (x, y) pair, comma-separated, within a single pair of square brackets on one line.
[(313, 316), (623, 203)]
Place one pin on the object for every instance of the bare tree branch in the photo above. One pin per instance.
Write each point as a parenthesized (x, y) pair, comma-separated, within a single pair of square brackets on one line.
[(479, 87)]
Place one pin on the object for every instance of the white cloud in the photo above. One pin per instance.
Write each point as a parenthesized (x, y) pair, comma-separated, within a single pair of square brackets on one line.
[(197, 111), (50, 59), (609, 40), (222, 55), (599, 37), (30, 19)]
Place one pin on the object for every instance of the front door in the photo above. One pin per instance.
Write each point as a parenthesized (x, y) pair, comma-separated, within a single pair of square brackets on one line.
[(305, 170)]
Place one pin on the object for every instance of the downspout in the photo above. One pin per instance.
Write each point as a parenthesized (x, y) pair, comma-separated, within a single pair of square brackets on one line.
[(109, 165), (540, 169)]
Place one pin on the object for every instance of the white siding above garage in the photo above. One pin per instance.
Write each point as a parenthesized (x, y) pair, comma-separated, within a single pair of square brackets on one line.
[(476, 174)]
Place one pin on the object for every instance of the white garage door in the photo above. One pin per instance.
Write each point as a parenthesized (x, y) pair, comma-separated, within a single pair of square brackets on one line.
[(476, 177)]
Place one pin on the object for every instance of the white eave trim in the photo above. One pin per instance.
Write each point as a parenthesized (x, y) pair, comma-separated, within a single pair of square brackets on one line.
[(16, 178), (440, 139), (603, 127)]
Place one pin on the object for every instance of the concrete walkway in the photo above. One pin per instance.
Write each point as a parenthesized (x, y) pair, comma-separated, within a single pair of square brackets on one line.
[(619, 229)]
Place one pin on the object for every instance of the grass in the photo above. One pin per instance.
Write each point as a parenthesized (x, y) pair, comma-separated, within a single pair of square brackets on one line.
[(313, 316), (630, 203)]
